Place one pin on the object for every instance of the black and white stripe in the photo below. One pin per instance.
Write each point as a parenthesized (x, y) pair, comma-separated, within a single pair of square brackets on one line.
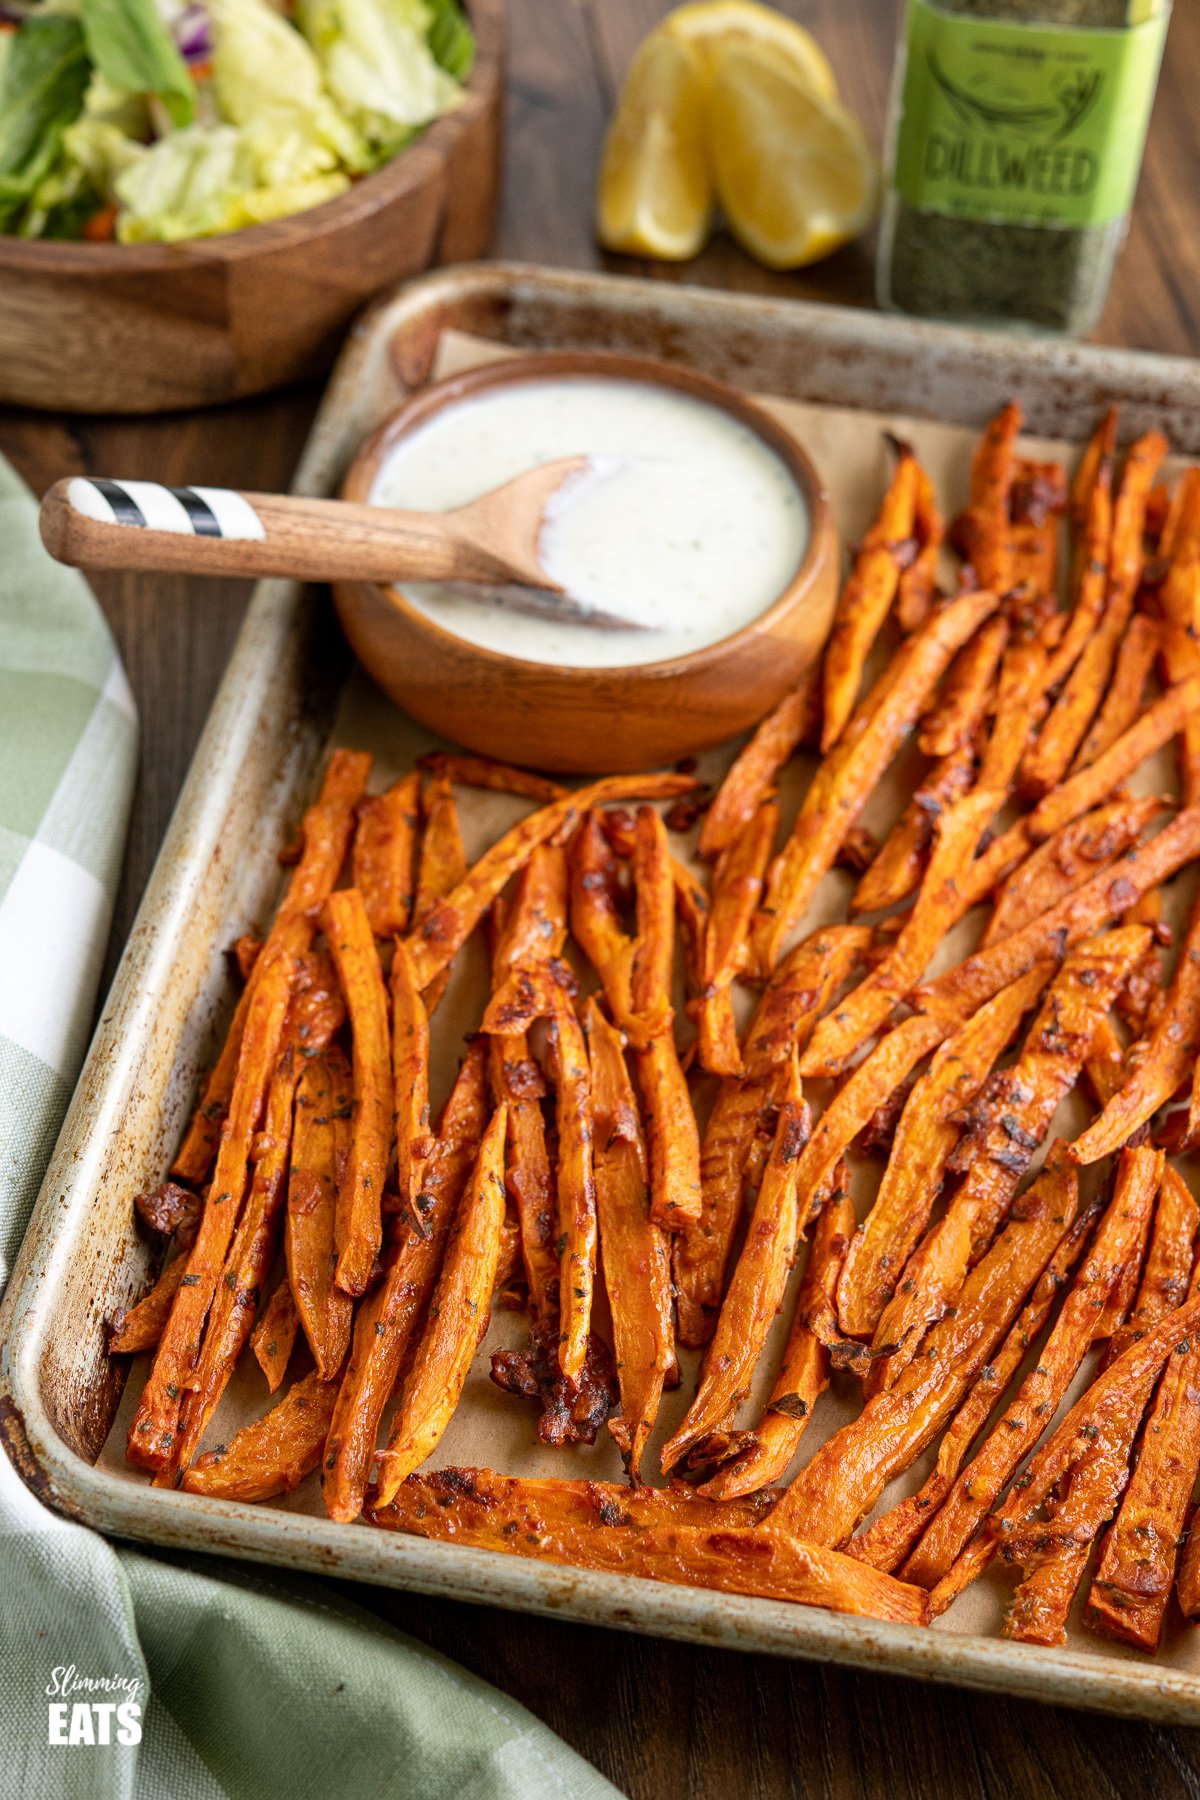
[(148, 505)]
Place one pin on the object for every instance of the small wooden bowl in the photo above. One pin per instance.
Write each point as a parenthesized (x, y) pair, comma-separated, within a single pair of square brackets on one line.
[(143, 328), (585, 721)]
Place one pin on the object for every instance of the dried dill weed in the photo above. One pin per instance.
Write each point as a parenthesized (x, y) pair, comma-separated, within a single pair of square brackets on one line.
[(1017, 129)]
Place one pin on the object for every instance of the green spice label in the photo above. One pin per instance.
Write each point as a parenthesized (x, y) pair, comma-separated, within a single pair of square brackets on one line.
[(1027, 124)]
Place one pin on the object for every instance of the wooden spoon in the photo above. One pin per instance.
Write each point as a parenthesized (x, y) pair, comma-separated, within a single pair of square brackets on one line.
[(491, 543)]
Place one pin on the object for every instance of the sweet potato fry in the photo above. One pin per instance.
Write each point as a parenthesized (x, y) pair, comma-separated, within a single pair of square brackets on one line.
[(321, 1140), (458, 1318), (982, 533), (274, 1337), (867, 597), (981, 1483), (486, 772), (442, 864), (384, 859), (1004, 1126), (1020, 704), (676, 1198), (757, 765), (925, 1137), (918, 582), (798, 993), (737, 885), (1155, 1280), (152, 1432), (1156, 727), (410, 1076), (897, 870), (595, 918), (142, 1326), (1123, 703), (846, 781), (325, 840), (804, 1372), (1074, 854), (1037, 500), (389, 1318), (634, 1251), (275, 1453), (1187, 1584), (1092, 522), (691, 895), (1106, 896), (872, 1002), (654, 945), (1169, 1057), (450, 921), (950, 725), (567, 1522), (756, 1288), (358, 1224), (1179, 603), (845, 1478), (576, 1185)]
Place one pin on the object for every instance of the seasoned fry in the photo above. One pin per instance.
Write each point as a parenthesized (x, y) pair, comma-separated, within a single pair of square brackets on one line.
[(1074, 854), (576, 1185), (1106, 896), (1037, 500), (804, 1372), (410, 1077), (982, 533), (1179, 602), (981, 1483), (321, 1140), (951, 724), (798, 993), (595, 918), (896, 871), (676, 1198), (873, 1001), (384, 859), (458, 1318), (845, 1478), (918, 582), (325, 837), (486, 772), (142, 1326), (358, 1223), (757, 1286), (887, 1542), (634, 1251), (441, 866), (867, 597), (1169, 1057), (757, 766), (152, 1432), (654, 945), (1092, 521), (1122, 705), (1187, 1585), (842, 787), (565, 1521), (925, 1137), (1134, 1305), (275, 1453), (737, 885), (1004, 1127), (436, 941), (274, 1337), (389, 1318), (1156, 727)]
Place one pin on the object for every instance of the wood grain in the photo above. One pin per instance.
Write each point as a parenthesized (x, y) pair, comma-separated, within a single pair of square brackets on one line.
[(661, 1720)]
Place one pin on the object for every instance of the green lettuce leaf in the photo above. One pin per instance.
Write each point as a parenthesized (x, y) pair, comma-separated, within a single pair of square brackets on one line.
[(268, 81), (450, 38), (204, 180), (42, 83), (378, 65), (132, 48)]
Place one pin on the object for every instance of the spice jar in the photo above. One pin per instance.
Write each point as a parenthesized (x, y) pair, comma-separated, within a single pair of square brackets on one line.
[(1016, 131)]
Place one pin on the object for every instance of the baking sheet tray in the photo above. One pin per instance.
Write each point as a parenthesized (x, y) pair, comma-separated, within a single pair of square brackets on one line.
[(289, 692)]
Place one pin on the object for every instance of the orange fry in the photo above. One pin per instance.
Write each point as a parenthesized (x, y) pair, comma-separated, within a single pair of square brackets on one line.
[(595, 919), (576, 1185), (1163, 1263), (950, 725), (325, 840), (441, 866), (152, 1432), (845, 1478), (1020, 703), (321, 1139), (143, 1325), (757, 765), (410, 1076), (1156, 727), (1168, 1059), (358, 1224), (1122, 705), (1092, 522), (486, 772), (867, 597), (756, 1289), (275, 1453), (926, 1135), (388, 1318), (982, 533), (899, 865), (846, 781), (274, 1337), (1179, 601), (634, 1251), (654, 944), (676, 1195), (981, 1483), (918, 582), (737, 885), (451, 920), (458, 1318), (565, 1522), (1038, 498), (1059, 864), (1004, 1127), (798, 993), (384, 859), (804, 1372)]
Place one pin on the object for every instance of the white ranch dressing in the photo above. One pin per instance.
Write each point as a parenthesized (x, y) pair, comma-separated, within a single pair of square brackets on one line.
[(691, 525)]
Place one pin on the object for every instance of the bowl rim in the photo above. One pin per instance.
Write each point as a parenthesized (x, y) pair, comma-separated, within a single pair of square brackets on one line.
[(408, 168), (433, 398)]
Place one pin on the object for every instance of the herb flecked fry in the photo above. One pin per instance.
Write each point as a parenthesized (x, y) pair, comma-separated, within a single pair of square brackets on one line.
[(410, 1077), (1156, 727), (274, 1337), (383, 863), (737, 885), (918, 582), (951, 723), (756, 767), (143, 1325), (442, 864), (1123, 703), (1156, 1279), (983, 532), (272, 1455), (358, 1221), (320, 1140), (1091, 522), (576, 1185), (1075, 853), (458, 1317), (486, 772)]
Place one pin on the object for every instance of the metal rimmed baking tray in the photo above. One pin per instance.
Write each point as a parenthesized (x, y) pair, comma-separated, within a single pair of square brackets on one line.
[(270, 725)]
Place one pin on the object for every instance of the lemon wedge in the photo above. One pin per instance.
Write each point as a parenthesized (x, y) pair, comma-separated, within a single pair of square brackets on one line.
[(655, 193), (794, 174), (709, 26)]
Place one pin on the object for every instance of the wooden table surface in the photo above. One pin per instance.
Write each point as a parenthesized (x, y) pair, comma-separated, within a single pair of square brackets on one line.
[(659, 1719)]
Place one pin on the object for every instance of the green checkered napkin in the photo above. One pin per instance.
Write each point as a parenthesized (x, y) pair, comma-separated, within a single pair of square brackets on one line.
[(247, 1685)]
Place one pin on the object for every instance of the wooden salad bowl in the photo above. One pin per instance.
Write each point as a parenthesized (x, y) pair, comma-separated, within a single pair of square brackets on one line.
[(143, 328), (589, 720)]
